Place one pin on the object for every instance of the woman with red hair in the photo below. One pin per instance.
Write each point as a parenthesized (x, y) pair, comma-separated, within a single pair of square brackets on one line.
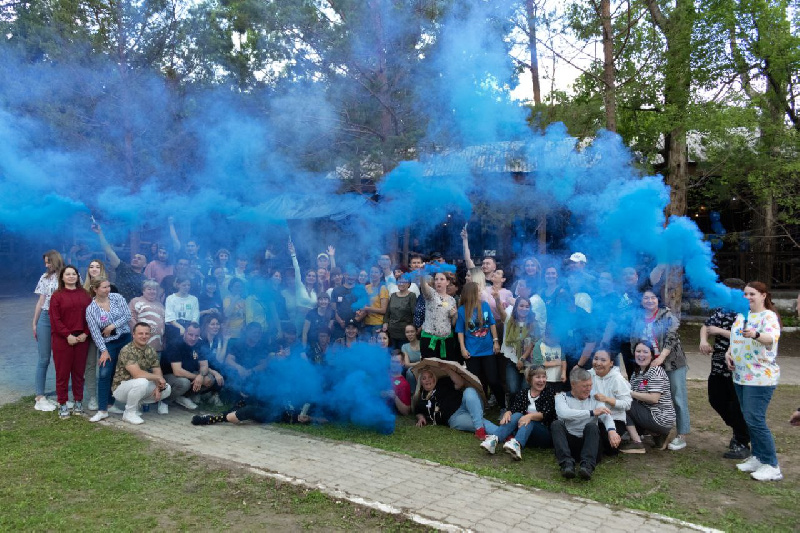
[(752, 357)]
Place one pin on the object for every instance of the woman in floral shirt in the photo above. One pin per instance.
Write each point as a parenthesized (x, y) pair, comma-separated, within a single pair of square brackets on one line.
[(751, 356)]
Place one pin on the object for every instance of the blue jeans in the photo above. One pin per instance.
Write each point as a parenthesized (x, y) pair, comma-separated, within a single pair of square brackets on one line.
[(43, 343), (754, 401), (412, 380), (469, 416), (105, 374), (680, 398), (534, 432), (514, 380)]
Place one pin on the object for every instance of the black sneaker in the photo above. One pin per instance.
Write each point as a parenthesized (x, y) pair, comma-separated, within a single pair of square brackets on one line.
[(568, 470), (737, 451), (207, 420), (585, 473), (201, 420)]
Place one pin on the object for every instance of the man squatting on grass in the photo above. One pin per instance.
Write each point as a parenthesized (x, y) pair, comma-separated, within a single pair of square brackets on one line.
[(133, 384)]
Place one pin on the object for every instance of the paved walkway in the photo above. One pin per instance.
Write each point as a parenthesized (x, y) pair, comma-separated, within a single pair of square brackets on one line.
[(439, 496)]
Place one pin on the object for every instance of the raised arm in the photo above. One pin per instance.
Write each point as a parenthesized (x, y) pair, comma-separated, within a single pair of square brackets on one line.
[(176, 242), (298, 278), (424, 287), (465, 243), (113, 258), (331, 251), (458, 381), (657, 273)]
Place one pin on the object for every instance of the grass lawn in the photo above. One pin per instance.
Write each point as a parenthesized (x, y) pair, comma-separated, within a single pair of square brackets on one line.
[(695, 484), (75, 476)]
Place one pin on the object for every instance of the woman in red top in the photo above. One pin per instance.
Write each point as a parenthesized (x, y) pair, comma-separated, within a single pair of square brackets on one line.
[(69, 334)]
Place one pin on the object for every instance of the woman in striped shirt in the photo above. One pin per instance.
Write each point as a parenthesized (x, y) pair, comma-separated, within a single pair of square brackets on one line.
[(651, 408), (108, 316)]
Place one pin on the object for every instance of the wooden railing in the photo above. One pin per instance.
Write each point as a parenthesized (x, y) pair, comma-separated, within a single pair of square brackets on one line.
[(749, 266)]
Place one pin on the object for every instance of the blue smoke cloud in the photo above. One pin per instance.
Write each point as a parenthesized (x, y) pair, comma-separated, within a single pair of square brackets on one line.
[(350, 387), (231, 167)]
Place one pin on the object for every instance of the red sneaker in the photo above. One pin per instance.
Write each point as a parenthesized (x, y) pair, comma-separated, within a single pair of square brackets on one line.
[(480, 433)]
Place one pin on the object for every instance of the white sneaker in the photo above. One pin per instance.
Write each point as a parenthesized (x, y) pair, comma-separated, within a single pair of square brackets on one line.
[(43, 404), (767, 473), (93, 404), (114, 410), (678, 443), (489, 444), (70, 404), (131, 416), (163, 409), (751, 465), (98, 416), (513, 448), (186, 402)]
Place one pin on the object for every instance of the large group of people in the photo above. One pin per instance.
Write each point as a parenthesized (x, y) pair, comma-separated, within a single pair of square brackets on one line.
[(584, 361)]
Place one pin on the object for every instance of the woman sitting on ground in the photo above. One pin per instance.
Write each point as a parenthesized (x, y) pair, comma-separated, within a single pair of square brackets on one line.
[(411, 354), (448, 401), (527, 422), (659, 327), (651, 408), (611, 388)]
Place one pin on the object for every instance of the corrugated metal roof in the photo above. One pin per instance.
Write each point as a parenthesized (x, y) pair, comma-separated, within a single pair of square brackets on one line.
[(503, 157), (500, 157)]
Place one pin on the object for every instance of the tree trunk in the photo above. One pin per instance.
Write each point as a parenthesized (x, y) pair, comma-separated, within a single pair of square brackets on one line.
[(406, 244), (530, 8), (677, 31), (542, 231), (124, 110), (766, 242), (609, 81)]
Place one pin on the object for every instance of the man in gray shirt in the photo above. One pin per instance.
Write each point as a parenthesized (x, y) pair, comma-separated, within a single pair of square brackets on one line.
[(576, 433)]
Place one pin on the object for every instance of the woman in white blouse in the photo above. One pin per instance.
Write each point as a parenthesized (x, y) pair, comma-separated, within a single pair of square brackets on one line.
[(48, 283)]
